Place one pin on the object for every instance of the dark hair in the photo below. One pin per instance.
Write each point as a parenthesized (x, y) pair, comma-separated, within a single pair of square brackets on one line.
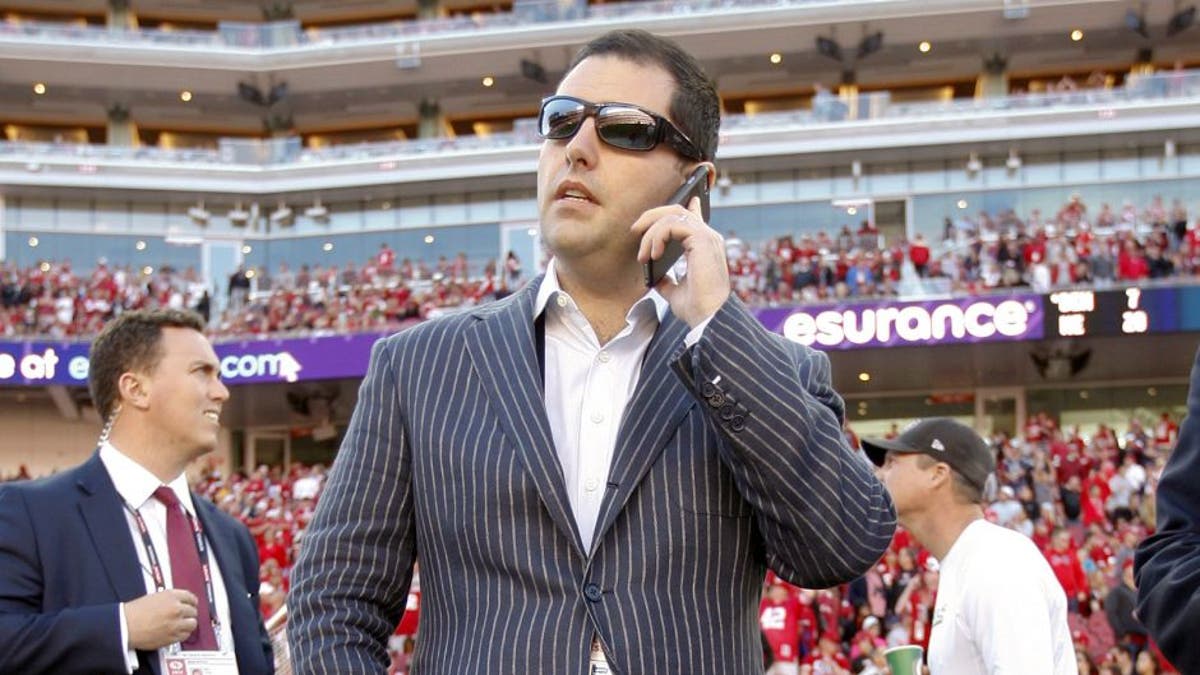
[(695, 105), (130, 342)]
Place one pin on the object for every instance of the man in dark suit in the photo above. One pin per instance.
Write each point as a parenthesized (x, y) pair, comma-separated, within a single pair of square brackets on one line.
[(594, 475), (1167, 563), (114, 566)]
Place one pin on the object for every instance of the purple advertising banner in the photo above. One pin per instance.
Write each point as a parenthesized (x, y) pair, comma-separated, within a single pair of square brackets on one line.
[(891, 324), (242, 362), (846, 326)]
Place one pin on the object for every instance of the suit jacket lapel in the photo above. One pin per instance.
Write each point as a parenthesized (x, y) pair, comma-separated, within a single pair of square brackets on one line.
[(100, 506), (658, 406), (102, 511), (504, 355)]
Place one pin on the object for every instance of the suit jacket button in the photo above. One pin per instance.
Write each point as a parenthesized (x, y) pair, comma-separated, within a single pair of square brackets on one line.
[(708, 389), (592, 592), (727, 412), (717, 400), (737, 423)]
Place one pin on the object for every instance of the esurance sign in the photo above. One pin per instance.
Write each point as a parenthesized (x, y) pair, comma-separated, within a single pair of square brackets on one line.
[(958, 320), (845, 326), (249, 362)]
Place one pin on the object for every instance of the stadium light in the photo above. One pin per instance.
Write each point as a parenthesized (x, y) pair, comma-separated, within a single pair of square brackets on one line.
[(282, 215), (199, 214), (1013, 163), (317, 211), (533, 70), (1182, 20), (870, 44), (238, 216), (1136, 22), (828, 48)]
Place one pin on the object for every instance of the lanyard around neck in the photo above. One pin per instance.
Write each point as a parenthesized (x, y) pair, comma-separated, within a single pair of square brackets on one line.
[(156, 570)]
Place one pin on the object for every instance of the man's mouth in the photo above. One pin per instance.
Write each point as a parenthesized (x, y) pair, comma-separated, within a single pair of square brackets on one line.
[(572, 191)]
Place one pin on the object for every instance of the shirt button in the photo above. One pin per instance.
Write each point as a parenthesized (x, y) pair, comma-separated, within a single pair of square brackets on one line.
[(604, 357), (591, 484), (561, 300), (597, 417)]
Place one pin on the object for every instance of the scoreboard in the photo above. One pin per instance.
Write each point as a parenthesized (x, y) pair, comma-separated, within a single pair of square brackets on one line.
[(1125, 311)]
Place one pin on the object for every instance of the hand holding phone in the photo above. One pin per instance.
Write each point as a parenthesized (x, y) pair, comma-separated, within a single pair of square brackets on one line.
[(696, 185)]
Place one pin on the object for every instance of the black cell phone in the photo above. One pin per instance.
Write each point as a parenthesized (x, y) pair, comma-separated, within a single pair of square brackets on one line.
[(696, 185)]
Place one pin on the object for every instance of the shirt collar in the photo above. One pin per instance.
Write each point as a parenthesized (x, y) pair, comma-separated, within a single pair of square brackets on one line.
[(135, 484), (550, 288)]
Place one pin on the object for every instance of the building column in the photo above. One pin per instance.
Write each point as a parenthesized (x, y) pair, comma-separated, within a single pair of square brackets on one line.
[(121, 128), (432, 124), (428, 9), (1143, 63), (120, 17), (992, 81)]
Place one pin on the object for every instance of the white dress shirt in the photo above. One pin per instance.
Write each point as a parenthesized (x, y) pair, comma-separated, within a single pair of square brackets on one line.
[(136, 487), (587, 387)]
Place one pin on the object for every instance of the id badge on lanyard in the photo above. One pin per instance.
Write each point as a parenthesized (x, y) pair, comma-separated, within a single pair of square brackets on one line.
[(177, 661), (201, 663)]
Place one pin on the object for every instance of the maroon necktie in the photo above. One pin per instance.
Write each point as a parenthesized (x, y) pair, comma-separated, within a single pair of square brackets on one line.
[(186, 572)]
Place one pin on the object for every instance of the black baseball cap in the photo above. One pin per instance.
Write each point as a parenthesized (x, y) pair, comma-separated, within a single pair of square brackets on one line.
[(945, 440)]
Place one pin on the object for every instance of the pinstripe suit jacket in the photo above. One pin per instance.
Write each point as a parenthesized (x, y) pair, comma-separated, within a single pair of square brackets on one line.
[(732, 462)]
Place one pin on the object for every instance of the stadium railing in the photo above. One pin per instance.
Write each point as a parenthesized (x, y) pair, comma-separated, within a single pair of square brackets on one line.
[(1172, 87)]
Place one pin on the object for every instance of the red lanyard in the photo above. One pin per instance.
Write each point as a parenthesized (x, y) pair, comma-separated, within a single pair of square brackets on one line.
[(156, 570)]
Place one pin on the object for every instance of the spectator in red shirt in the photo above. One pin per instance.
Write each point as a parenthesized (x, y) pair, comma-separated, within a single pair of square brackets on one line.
[(1131, 262), (1064, 560), (918, 253), (386, 260), (1093, 507), (1165, 432), (779, 616), (828, 659)]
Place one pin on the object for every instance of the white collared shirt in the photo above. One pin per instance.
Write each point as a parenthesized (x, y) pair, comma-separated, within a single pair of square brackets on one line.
[(136, 486), (588, 386)]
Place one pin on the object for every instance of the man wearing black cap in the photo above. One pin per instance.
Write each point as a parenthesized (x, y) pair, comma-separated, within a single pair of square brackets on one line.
[(999, 607)]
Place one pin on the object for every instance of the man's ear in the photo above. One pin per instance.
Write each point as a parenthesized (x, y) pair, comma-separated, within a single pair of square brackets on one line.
[(712, 175), (134, 390), (939, 474)]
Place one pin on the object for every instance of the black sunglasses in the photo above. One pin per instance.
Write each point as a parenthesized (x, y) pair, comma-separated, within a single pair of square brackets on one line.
[(621, 125)]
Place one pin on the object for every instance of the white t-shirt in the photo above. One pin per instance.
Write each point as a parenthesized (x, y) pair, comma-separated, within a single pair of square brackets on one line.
[(1000, 610)]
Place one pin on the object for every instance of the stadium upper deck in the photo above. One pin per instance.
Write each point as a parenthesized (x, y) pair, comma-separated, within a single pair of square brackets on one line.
[(331, 84)]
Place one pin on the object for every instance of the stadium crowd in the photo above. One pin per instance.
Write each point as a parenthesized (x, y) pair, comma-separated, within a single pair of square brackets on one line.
[(1073, 247), (1085, 500)]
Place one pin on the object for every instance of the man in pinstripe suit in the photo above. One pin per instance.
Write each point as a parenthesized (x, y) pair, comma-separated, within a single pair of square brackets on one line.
[(594, 477)]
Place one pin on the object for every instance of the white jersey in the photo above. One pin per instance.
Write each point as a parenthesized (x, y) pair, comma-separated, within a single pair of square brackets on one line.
[(1000, 610)]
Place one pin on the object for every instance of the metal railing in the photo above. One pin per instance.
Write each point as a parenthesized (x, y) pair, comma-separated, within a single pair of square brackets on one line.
[(267, 36), (873, 107)]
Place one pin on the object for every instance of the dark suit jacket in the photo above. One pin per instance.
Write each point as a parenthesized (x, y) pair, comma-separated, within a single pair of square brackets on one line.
[(1167, 563), (730, 457), (67, 559)]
